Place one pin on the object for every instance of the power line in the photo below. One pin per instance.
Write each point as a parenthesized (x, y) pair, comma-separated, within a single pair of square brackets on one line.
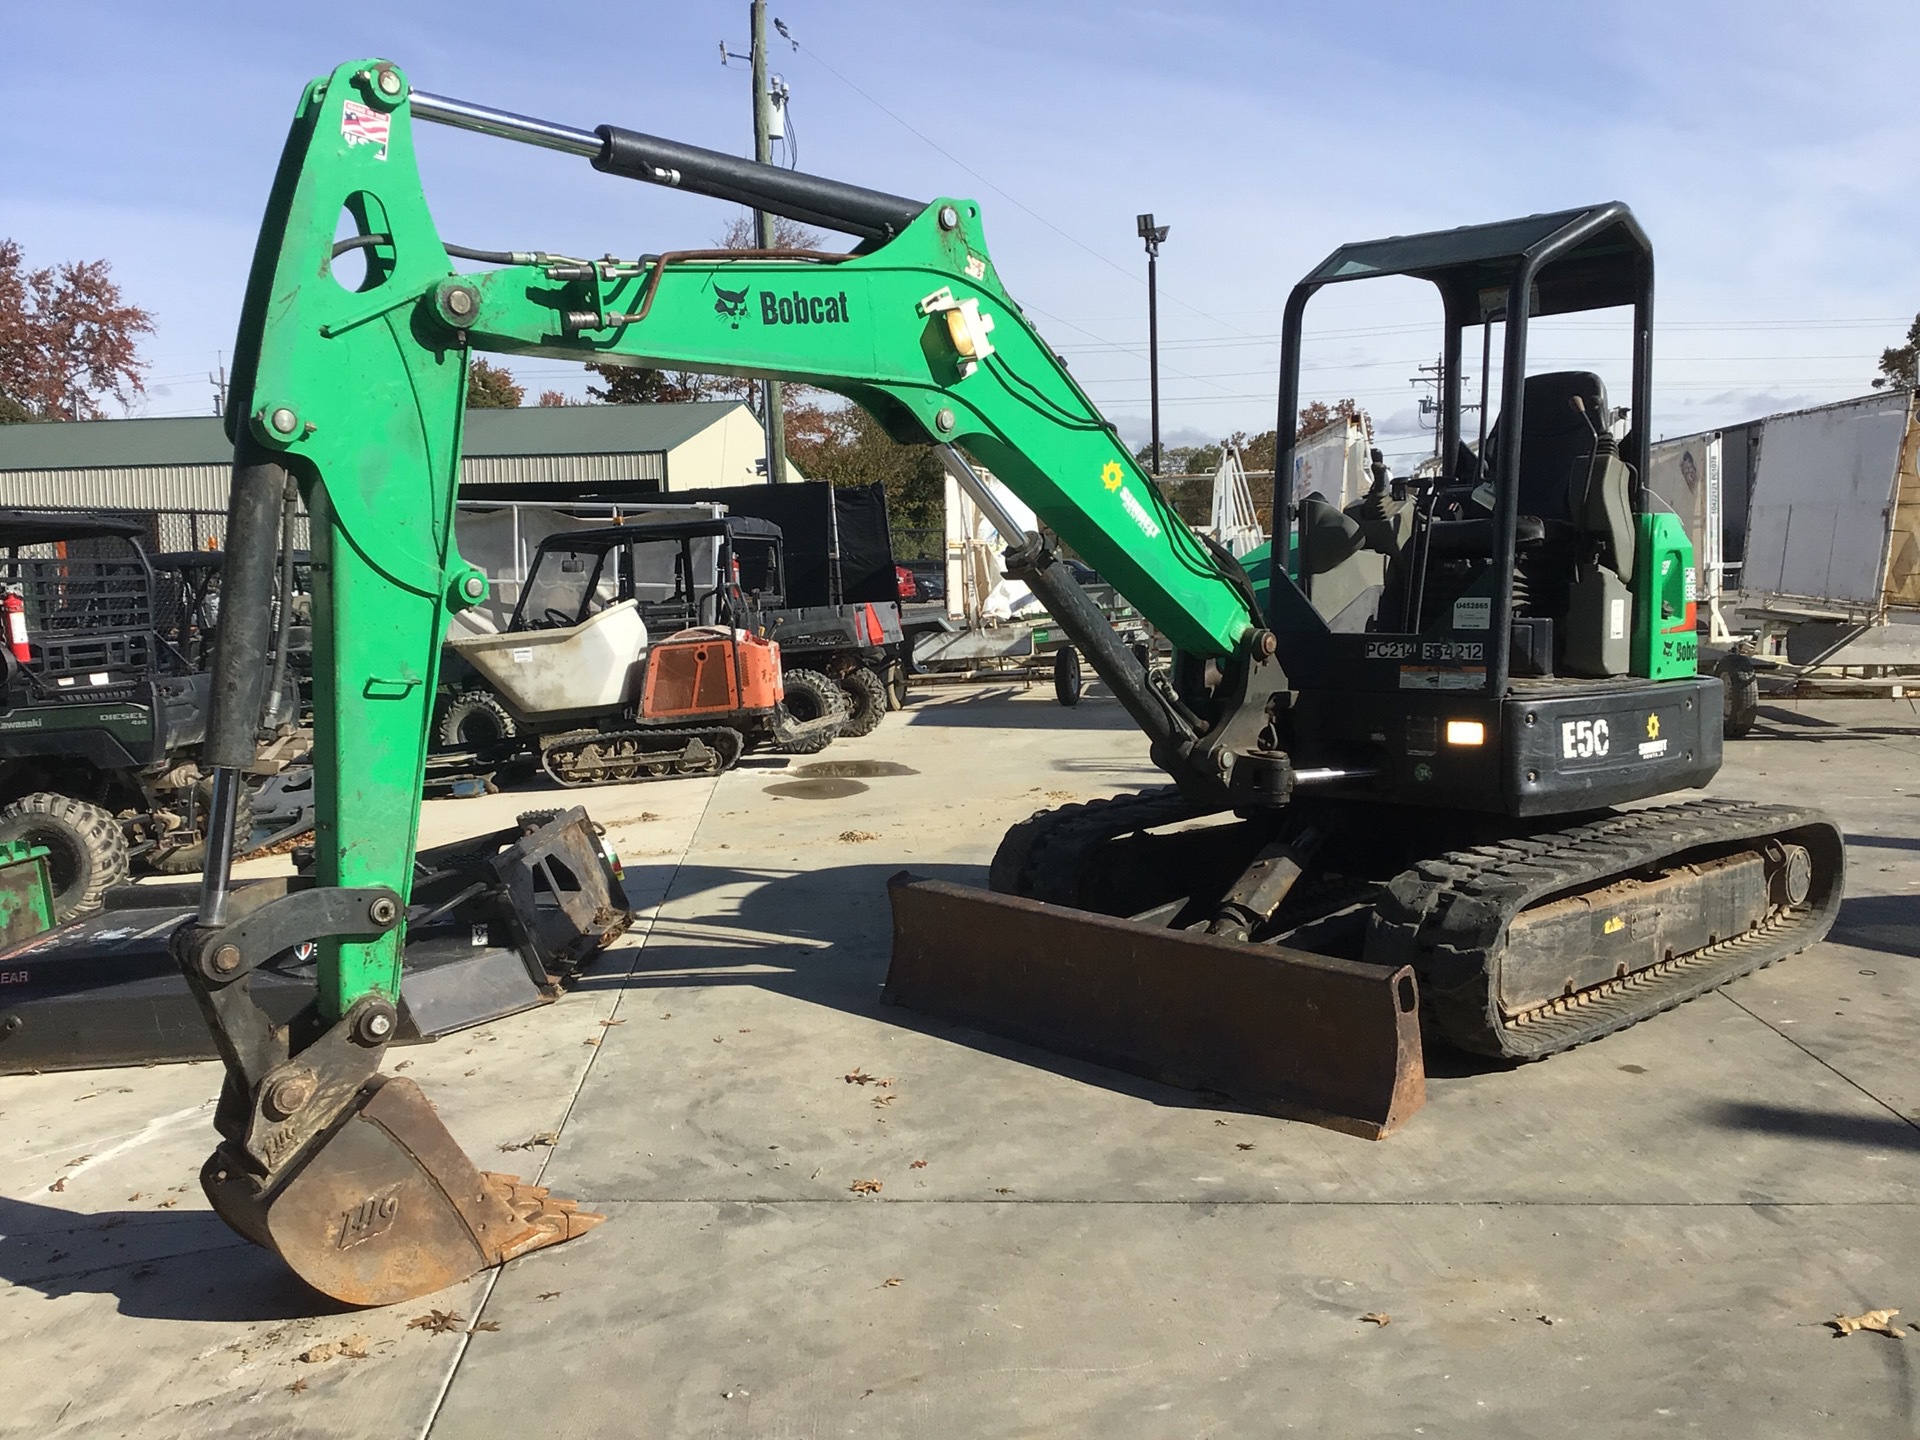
[(928, 140)]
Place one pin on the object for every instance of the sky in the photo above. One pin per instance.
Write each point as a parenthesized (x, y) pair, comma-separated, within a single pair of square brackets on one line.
[(1766, 147)]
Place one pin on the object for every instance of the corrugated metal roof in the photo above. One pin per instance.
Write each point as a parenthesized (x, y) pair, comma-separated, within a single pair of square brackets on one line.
[(202, 440)]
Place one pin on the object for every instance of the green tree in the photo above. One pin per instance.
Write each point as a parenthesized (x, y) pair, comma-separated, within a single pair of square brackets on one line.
[(492, 387), (1900, 366), (68, 339), (12, 412)]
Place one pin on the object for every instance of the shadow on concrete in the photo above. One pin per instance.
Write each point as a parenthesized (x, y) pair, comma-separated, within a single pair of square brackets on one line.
[(990, 709), (825, 937), (1888, 923), (1878, 1132), (1885, 842), (158, 1266)]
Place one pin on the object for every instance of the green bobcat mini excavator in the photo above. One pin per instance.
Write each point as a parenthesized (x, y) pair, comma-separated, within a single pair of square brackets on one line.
[(1395, 747)]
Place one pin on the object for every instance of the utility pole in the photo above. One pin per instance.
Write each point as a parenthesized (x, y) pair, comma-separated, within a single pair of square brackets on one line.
[(771, 391), (1153, 234)]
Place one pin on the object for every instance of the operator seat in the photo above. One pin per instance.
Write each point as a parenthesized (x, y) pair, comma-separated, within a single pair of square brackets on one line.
[(1574, 484)]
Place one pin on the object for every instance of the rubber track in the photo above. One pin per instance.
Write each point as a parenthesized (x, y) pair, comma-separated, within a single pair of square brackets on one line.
[(665, 743), (1448, 917), (1044, 856)]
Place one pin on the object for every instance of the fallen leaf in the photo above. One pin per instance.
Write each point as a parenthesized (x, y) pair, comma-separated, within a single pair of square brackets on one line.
[(404, 1065), (317, 1354), (918, 1165), (170, 1202), (858, 1076), (613, 1022), (471, 1073), (748, 1031), (666, 1015), (1219, 1122), (1376, 1317), (1242, 1145), (296, 1387), (865, 1187), (354, 1347), (545, 1137), (646, 815), (891, 1281), (480, 1325), (81, 1161), (59, 1184), (1879, 1321), (135, 1196), (547, 1295), (1003, 1190), (857, 837), (594, 1041), (436, 1322), (880, 1100)]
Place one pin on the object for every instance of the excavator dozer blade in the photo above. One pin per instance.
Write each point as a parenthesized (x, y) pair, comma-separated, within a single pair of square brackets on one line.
[(385, 1206), (1328, 1041)]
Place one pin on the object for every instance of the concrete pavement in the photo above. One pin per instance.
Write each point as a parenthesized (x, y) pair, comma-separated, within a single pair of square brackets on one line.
[(1641, 1237)]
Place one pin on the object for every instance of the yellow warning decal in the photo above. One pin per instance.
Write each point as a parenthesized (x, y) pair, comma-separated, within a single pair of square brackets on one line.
[(1614, 925)]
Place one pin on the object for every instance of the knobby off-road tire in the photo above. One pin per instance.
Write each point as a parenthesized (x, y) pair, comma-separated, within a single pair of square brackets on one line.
[(86, 851), (812, 696), (866, 697), (475, 717)]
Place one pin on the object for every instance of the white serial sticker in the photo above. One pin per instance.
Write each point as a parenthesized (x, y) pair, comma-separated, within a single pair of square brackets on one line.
[(1584, 739), (1422, 677), (1473, 612), (523, 655), (1616, 619)]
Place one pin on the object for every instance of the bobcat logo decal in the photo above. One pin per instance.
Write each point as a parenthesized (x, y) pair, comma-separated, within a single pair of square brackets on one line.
[(730, 303)]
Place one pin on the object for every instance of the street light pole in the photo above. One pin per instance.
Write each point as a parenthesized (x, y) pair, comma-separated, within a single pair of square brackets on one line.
[(1153, 234)]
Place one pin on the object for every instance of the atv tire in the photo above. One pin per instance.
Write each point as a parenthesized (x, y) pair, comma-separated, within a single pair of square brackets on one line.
[(866, 697), (812, 696), (86, 851), (191, 858), (475, 717)]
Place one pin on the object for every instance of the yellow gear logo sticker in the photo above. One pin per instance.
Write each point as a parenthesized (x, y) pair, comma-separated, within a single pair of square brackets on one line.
[(1653, 727), (1111, 475)]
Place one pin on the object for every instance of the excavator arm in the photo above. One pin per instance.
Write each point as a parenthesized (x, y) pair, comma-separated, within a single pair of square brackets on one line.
[(351, 381)]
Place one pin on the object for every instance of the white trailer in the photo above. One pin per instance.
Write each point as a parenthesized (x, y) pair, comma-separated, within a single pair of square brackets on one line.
[(1825, 598)]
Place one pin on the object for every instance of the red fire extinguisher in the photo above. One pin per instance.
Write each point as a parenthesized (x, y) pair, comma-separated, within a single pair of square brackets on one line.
[(16, 609)]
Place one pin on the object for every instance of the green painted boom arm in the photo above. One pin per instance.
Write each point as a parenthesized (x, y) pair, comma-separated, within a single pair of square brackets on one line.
[(358, 391)]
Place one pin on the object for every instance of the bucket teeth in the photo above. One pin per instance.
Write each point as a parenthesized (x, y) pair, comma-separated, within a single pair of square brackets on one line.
[(549, 1220)]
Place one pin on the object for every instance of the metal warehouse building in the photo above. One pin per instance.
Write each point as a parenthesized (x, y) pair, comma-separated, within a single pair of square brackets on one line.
[(570, 453)]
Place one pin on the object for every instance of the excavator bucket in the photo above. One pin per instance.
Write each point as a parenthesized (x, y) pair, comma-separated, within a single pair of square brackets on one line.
[(1328, 1041), (385, 1206), (347, 1174)]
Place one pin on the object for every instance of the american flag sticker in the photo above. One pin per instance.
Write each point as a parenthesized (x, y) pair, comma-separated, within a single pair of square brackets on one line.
[(364, 125)]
